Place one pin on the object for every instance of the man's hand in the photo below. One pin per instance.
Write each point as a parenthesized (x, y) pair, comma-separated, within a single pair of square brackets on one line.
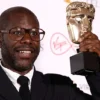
[(89, 42)]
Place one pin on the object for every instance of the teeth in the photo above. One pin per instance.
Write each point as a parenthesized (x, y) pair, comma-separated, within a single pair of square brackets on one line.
[(25, 51)]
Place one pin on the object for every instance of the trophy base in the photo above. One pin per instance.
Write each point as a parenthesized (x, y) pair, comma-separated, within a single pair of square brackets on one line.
[(84, 63)]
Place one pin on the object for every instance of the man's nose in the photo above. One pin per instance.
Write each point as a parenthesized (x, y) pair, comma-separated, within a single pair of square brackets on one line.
[(26, 39)]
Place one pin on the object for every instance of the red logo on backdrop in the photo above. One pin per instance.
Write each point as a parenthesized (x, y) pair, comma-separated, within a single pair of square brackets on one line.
[(59, 44)]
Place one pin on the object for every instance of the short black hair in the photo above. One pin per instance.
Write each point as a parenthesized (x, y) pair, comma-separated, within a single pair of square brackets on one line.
[(5, 16)]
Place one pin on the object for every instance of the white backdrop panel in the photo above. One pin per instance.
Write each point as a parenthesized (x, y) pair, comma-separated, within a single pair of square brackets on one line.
[(56, 46)]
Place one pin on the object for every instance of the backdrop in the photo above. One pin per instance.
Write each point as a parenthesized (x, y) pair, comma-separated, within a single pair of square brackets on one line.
[(56, 48)]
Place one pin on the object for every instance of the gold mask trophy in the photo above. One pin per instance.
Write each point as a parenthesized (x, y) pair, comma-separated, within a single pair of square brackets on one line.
[(79, 20)]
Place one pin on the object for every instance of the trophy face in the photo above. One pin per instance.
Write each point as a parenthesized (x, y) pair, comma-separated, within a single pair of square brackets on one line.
[(79, 21)]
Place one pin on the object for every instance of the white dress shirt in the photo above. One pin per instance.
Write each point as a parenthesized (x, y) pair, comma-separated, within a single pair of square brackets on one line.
[(13, 76)]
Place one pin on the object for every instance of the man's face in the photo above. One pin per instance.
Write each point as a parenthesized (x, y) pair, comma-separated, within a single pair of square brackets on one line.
[(19, 55), (79, 22)]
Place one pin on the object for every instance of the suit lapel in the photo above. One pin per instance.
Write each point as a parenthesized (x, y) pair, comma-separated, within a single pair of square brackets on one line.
[(9, 92), (7, 89), (38, 89)]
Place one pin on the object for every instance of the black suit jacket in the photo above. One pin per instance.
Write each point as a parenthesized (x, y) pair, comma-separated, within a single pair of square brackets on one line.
[(49, 87)]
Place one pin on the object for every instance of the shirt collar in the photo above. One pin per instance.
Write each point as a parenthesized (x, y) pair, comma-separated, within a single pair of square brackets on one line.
[(13, 76)]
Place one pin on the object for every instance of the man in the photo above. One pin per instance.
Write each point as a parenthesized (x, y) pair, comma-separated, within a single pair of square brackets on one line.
[(20, 37)]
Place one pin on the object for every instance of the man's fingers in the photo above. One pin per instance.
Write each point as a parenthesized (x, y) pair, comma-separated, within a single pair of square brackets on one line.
[(89, 42), (91, 48), (87, 35)]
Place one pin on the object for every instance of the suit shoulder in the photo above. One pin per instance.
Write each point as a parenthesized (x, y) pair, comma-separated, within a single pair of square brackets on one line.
[(57, 79)]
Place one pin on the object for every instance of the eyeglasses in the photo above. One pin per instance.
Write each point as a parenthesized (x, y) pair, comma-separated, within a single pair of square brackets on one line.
[(18, 33)]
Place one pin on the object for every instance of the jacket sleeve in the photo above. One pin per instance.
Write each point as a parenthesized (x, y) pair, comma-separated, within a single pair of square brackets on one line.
[(64, 89), (94, 83)]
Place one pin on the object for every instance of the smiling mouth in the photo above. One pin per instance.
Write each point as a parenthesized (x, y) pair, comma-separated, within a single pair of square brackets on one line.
[(27, 52)]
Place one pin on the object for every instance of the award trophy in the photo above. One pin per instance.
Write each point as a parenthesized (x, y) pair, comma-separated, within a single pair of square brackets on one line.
[(79, 20)]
